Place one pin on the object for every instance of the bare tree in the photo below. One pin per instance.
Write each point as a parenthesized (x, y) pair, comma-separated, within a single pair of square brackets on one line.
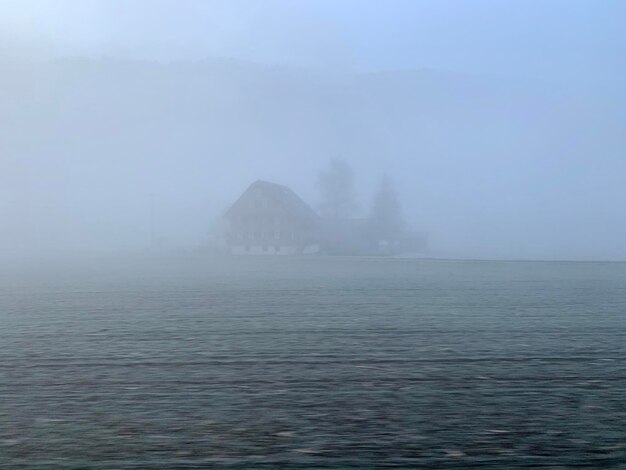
[(337, 190)]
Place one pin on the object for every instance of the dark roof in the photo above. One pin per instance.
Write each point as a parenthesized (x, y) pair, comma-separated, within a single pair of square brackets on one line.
[(288, 198)]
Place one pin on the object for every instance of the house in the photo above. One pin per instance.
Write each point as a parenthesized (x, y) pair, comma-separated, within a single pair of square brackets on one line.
[(270, 219)]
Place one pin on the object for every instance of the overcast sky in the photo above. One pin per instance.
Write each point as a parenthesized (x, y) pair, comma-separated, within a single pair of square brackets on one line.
[(573, 42)]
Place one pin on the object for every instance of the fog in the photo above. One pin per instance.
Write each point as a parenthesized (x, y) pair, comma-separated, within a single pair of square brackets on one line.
[(132, 126)]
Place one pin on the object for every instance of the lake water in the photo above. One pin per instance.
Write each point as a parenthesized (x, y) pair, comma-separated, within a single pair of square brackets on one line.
[(312, 363)]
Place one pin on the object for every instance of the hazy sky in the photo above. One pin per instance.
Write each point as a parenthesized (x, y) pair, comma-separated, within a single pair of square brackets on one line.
[(501, 121), (579, 42)]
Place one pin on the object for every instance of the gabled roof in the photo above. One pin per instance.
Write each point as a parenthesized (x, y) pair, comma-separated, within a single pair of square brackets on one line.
[(287, 197)]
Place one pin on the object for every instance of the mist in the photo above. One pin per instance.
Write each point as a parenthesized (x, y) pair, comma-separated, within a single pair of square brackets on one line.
[(128, 136), (312, 234)]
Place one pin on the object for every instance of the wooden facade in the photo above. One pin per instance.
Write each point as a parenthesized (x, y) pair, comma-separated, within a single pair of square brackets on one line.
[(270, 219)]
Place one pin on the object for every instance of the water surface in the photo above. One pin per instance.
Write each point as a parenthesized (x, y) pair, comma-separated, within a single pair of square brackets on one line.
[(312, 362)]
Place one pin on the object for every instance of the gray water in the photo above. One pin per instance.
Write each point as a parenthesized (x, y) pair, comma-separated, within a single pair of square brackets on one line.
[(312, 363)]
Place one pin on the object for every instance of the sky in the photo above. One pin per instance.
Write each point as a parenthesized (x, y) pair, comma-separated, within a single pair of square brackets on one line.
[(500, 121), (574, 42)]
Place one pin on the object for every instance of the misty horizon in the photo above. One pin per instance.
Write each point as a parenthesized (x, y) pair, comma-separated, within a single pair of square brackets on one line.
[(108, 145), (312, 234)]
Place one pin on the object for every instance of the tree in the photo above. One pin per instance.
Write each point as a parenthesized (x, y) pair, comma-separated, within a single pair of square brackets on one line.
[(337, 190), (386, 218)]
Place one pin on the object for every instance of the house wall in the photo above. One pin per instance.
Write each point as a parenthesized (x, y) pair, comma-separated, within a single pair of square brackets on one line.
[(265, 220), (266, 233)]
